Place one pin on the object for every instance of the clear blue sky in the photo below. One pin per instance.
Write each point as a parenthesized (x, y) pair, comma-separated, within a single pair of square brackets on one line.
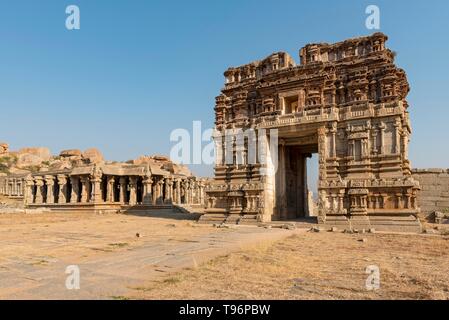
[(138, 69)]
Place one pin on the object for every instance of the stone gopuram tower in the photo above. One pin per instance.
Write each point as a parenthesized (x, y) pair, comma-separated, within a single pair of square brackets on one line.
[(345, 102)]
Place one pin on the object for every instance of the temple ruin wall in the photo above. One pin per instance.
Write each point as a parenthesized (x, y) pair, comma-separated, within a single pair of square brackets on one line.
[(434, 194)]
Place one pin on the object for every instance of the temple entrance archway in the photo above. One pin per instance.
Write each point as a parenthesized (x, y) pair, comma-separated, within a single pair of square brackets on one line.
[(293, 196)]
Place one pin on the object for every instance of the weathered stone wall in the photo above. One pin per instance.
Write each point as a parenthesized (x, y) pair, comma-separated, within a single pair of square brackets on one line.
[(434, 194)]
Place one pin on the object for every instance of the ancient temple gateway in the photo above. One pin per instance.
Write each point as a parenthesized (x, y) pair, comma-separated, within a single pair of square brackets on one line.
[(345, 102)]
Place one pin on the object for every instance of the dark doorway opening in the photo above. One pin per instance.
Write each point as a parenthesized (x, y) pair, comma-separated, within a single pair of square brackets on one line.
[(293, 197)]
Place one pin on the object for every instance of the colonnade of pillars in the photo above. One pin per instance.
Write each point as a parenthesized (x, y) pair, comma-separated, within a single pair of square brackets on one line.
[(130, 190), (12, 186)]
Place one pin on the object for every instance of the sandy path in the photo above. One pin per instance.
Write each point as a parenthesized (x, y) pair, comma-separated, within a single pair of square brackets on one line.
[(36, 249)]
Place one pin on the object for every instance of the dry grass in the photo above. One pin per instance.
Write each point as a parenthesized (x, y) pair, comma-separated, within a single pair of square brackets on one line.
[(317, 266), (83, 236)]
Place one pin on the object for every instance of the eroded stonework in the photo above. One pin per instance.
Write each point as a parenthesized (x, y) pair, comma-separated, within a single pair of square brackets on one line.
[(347, 103), (76, 180)]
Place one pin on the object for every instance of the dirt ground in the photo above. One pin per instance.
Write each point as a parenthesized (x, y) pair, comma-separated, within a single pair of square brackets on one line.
[(114, 252), (317, 266), (168, 257)]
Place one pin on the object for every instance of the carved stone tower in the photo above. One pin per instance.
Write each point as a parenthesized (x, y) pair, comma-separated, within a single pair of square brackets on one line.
[(347, 103)]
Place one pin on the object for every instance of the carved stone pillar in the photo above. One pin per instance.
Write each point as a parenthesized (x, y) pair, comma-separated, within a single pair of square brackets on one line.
[(374, 133), (399, 201), (341, 202), (159, 199), (334, 141), (193, 192), (50, 182), (382, 128), (168, 191), (397, 136), (110, 189), (29, 197), (75, 189), (95, 179), (384, 198), (123, 188), (39, 182), (178, 191), (85, 189), (408, 201), (201, 192), (62, 182), (132, 191), (182, 191), (188, 192), (405, 141), (147, 190)]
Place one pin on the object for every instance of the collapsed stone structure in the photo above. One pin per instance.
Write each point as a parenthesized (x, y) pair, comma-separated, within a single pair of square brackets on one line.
[(347, 103)]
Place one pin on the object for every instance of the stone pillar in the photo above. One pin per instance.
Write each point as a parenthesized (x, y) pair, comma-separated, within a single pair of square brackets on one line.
[(376, 201), (201, 192), (382, 128), (334, 142), (405, 139), (374, 135), (397, 137), (178, 191), (123, 186), (175, 192), (399, 202), (168, 191), (132, 191), (39, 185), (95, 179), (187, 191), (62, 182), (160, 190), (75, 187), (29, 197), (194, 191), (50, 182), (147, 190), (154, 187), (341, 196), (85, 189), (110, 189)]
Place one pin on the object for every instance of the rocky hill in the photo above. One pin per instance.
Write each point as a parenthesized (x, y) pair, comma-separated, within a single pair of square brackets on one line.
[(40, 159)]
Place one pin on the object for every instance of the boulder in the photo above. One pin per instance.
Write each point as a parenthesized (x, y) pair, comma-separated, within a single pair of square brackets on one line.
[(28, 160), (70, 153), (93, 155), (4, 147), (31, 157), (40, 152), (60, 165)]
